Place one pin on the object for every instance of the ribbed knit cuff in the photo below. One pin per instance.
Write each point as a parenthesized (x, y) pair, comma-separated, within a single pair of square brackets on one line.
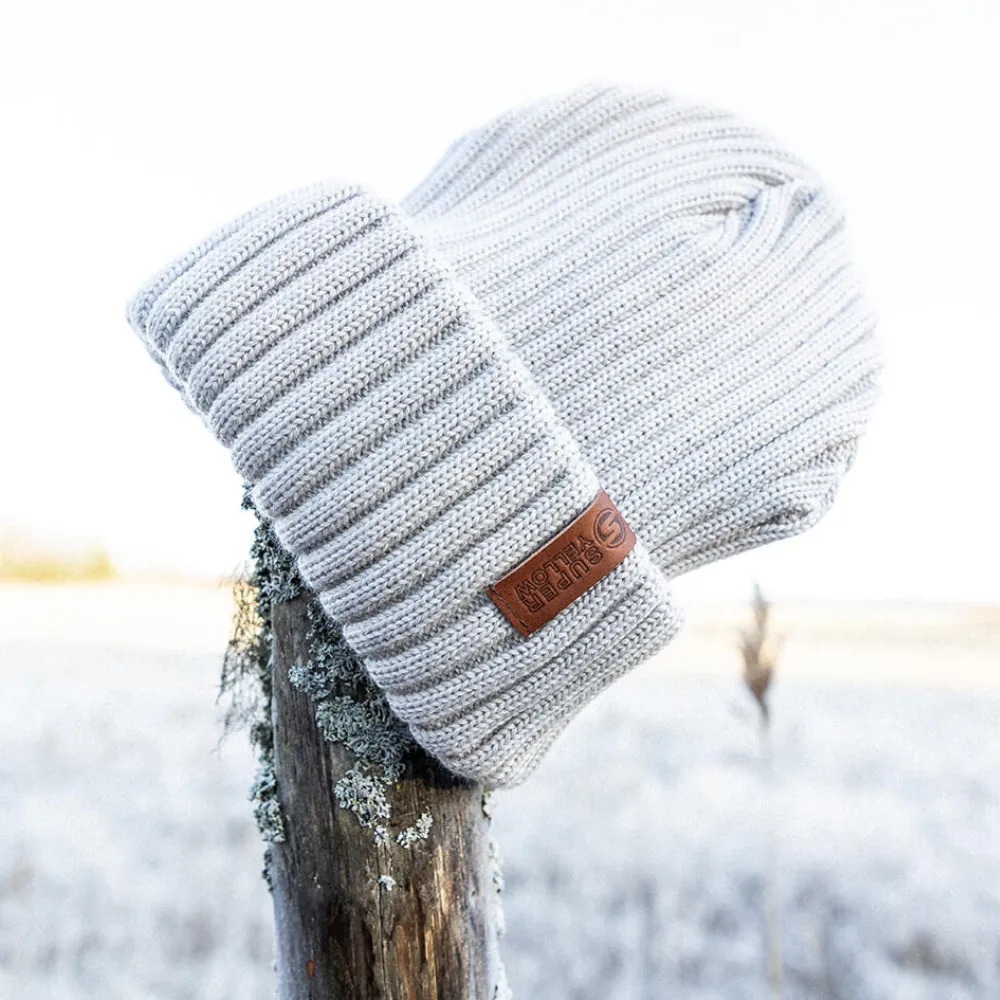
[(408, 461)]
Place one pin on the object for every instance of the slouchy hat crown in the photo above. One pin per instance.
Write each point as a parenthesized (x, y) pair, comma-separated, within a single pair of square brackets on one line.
[(609, 291)]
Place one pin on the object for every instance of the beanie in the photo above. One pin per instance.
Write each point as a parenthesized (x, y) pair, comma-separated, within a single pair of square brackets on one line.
[(611, 337)]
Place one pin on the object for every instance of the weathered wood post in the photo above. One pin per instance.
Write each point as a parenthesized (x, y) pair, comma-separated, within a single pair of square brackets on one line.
[(384, 878)]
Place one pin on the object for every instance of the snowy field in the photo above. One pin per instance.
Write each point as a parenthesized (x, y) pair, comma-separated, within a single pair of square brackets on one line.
[(636, 858)]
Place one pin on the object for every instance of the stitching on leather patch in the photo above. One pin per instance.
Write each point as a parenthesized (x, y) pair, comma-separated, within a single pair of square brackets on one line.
[(566, 567)]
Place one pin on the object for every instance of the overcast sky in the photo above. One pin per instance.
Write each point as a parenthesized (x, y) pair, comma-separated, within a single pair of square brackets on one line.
[(130, 130)]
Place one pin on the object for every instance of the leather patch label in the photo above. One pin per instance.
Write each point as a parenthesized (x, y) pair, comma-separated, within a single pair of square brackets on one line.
[(549, 581)]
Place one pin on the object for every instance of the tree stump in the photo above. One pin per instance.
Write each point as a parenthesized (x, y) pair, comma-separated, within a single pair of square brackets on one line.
[(384, 888)]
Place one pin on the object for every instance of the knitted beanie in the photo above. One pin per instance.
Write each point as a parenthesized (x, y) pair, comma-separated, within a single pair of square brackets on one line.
[(611, 337)]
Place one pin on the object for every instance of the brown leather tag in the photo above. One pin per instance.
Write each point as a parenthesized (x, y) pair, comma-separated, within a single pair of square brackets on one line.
[(534, 592)]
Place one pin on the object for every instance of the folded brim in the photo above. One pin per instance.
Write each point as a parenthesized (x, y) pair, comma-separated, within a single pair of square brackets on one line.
[(407, 460)]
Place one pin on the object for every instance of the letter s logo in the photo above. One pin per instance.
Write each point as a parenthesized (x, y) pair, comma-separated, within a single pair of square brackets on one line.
[(609, 527)]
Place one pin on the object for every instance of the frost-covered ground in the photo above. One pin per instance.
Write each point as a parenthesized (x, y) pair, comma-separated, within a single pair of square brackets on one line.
[(635, 858)]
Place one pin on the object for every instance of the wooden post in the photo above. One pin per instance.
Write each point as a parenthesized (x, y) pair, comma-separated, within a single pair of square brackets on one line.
[(383, 889)]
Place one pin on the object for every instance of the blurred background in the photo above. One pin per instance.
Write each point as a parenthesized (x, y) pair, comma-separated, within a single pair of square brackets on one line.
[(865, 827)]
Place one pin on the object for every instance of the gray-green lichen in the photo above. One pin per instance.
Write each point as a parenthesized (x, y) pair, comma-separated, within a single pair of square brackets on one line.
[(419, 831), (350, 710), (247, 670), (264, 796), (387, 882), (362, 791), (366, 728)]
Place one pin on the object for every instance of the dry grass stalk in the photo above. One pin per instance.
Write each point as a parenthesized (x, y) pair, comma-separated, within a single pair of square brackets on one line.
[(759, 649)]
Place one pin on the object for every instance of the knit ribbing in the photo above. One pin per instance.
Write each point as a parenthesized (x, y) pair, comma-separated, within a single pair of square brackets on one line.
[(699, 275), (404, 454), (607, 290)]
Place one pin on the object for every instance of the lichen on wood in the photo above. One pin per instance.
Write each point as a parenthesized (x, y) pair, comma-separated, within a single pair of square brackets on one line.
[(420, 830), (385, 881), (247, 670)]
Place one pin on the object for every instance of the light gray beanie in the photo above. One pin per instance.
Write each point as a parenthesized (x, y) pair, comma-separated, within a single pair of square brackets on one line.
[(607, 313)]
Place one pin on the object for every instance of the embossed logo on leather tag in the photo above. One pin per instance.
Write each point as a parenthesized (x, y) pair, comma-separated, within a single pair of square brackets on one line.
[(549, 581)]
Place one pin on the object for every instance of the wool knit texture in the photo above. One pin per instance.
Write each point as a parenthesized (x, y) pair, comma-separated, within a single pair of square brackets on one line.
[(611, 289)]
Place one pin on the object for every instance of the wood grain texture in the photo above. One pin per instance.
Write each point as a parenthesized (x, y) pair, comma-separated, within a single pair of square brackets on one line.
[(430, 934)]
